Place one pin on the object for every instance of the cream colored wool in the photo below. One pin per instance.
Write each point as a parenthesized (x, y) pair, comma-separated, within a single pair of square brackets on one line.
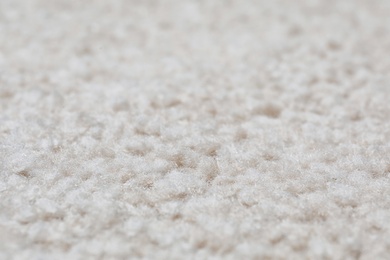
[(194, 129)]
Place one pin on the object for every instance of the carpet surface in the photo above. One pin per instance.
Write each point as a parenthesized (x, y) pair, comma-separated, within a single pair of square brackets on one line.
[(194, 129)]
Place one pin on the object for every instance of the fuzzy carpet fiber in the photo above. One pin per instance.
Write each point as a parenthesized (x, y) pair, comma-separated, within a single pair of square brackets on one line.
[(194, 129)]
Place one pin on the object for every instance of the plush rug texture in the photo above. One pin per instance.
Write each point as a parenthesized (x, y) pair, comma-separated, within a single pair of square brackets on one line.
[(194, 129)]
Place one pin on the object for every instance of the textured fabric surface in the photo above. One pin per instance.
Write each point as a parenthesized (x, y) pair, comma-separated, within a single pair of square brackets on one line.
[(194, 129)]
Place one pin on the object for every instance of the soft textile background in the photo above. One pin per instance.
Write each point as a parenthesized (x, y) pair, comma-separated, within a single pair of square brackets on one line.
[(194, 129)]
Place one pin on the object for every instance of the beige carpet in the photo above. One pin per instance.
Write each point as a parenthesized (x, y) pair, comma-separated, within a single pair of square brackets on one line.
[(235, 129)]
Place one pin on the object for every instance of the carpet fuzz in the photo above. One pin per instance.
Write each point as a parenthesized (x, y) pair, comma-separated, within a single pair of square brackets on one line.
[(194, 129)]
